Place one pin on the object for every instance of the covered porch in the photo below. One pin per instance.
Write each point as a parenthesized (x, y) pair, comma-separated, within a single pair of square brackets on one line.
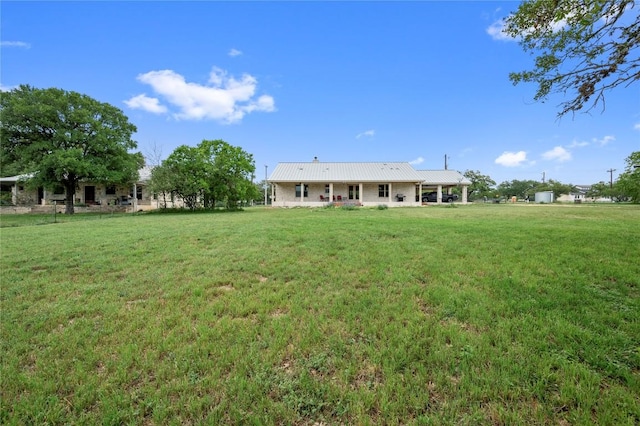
[(315, 194)]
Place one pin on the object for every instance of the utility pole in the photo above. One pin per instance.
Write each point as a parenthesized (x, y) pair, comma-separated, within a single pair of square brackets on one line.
[(445, 161), (543, 176), (610, 171), (266, 185)]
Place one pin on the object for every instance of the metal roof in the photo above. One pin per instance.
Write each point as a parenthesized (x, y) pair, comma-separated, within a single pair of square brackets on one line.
[(317, 171), (443, 177), (15, 179), (144, 175)]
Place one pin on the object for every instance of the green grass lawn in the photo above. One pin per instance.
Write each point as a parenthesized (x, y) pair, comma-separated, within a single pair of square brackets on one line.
[(481, 314)]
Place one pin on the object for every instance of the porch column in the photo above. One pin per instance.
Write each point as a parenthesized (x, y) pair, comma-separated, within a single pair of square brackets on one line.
[(14, 194), (273, 194), (135, 197), (464, 194), (360, 193), (439, 196), (390, 191), (420, 193), (331, 192), (301, 192)]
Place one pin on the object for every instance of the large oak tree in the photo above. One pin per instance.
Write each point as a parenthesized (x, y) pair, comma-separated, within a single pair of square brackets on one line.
[(583, 48), (63, 137)]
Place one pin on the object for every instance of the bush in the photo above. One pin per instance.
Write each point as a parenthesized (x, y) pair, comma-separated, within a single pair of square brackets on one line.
[(382, 207), (348, 206)]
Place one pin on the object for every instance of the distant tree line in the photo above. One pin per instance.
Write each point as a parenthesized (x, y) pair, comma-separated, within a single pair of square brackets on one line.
[(625, 188)]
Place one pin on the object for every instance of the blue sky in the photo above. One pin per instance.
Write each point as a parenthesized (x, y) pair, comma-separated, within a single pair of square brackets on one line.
[(343, 81)]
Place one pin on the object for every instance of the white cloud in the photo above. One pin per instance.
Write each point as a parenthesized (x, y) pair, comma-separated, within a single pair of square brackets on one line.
[(496, 31), (637, 126), (4, 88), (146, 103), (417, 161), (20, 44), (369, 133), (235, 52), (605, 140), (558, 153), (224, 98), (512, 159), (577, 144)]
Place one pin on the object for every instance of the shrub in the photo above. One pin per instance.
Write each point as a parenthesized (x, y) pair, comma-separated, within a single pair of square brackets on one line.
[(349, 206)]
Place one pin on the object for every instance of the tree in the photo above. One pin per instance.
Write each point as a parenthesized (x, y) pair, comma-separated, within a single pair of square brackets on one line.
[(65, 137), (629, 181), (185, 174), (161, 183), (202, 176), (481, 185), (260, 191), (518, 188), (600, 190), (586, 47), (607, 190), (231, 171)]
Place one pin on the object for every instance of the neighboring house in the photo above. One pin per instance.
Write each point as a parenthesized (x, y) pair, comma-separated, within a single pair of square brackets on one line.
[(580, 196), (314, 184), (15, 192)]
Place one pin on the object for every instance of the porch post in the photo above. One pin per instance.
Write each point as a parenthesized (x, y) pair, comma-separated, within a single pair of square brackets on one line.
[(331, 192), (135, 197), (273, 194), (301, 192), (360, 193), (464, 194), (420, 193), (439, 196), (390, 191)]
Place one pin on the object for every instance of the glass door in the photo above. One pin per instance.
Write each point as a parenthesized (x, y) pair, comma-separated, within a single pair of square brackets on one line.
[(354, 192)]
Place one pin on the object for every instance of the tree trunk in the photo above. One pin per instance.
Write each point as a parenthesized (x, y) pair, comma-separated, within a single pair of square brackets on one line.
[(71, 195)]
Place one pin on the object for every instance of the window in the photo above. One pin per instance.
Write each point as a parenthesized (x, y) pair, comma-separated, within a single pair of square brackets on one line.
[(306, 191), (58, 190), (354, 192), (111, 190), (383, 190), (326, 189), (138, 193)]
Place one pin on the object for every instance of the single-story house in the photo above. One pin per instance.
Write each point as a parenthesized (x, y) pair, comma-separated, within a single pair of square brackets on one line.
[(395, 184), (580, 196), (15, 192)]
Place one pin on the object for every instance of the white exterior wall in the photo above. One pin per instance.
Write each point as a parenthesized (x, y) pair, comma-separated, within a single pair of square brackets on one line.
[(285, 194)]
